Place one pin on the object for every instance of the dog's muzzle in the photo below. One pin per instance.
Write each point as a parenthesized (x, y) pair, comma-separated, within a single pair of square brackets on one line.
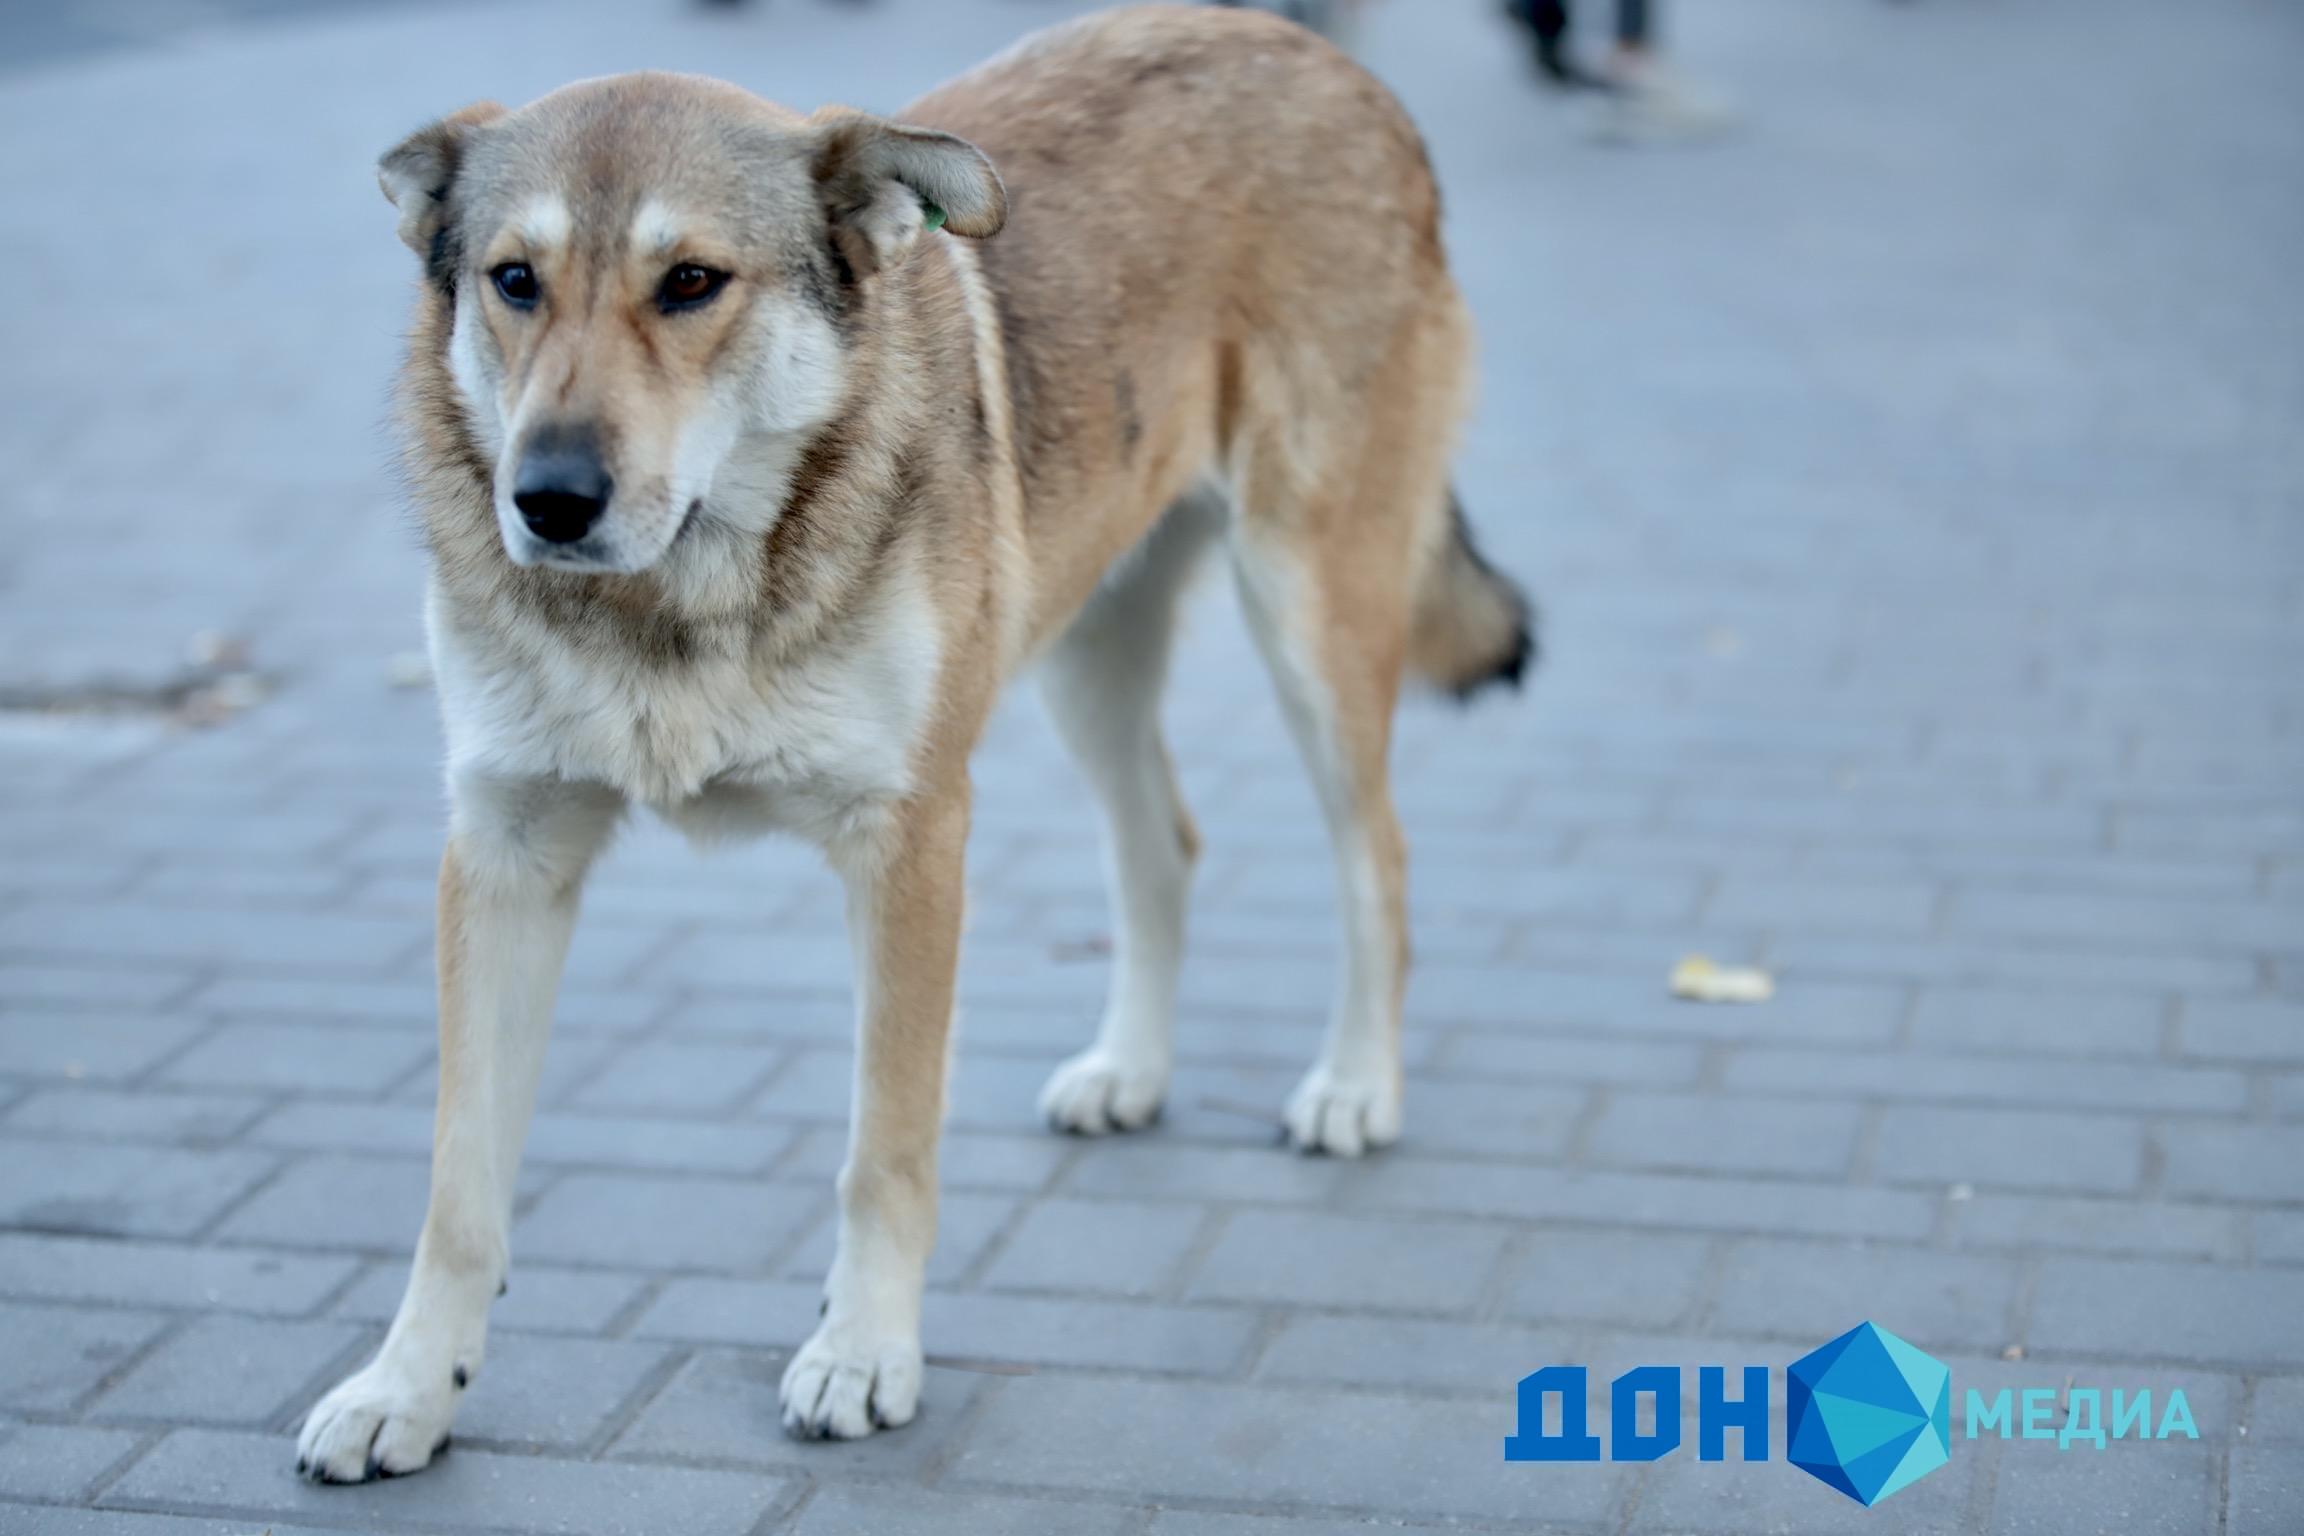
[(561, 488)]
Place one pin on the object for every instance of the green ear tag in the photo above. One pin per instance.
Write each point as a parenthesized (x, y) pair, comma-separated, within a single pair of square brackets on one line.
[(932, 215)]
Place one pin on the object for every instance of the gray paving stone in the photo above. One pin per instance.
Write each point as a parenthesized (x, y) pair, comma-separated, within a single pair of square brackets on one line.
[(538, 1298), (666, 1076), (1794, 1290), (2243, 1029), (839, 1511), (2096, 917), (76, 1046), (30, 983), (1150, 1167), (1608, 1277), (54, 1356), (226, 1370), (970, 1326), (333, 1125), (695, 1223), (1677, 1132), (2265, 1489), (105, 1114), (335, 1059), (1036, 1330), (1986, 1080), (1309, 1258), (557, 1394), (2236, 1162), (1995, 1220), (1480, 1360), (810, 1018), (1619, 1007), (2166, 1488), (1176, 1522), (282, 941), (166, 1274), (1983, 962), (1496, 1119), (1822, 905), (403, 1004), (2283, 1093), (721, 1410), (31, 1520), (1117, 1247), (1640, 1200), (1418, 1458), (1635, 1063), (58, 1462), (249, 1475), (2279, 1236), (122, 1190), (2141, 1309), (2022, 1149), (2038, 1021), (1682, 1494), (713, 1310), (2276, 1415), (374, 1204)]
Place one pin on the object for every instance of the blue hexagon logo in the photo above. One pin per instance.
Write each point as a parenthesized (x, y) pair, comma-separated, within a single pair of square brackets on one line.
[(1868, 1413)]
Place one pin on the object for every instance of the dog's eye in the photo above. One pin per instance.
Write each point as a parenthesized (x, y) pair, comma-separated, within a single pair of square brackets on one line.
[(688, 285), (516, 280)]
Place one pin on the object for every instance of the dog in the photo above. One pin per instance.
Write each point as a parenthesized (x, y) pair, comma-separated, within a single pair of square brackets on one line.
[(756, 452)]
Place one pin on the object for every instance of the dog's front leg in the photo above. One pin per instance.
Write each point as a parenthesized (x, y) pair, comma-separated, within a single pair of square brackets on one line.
[(517, 853), (860, 1370)]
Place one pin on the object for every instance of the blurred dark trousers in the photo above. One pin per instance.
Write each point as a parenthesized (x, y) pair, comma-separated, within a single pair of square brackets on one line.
[(1550, 19)]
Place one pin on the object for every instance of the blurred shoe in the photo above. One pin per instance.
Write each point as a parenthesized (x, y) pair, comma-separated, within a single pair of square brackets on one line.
[(1646, 103)]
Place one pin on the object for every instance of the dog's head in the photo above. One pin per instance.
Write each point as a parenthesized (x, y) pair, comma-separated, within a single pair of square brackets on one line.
[(649, 272)]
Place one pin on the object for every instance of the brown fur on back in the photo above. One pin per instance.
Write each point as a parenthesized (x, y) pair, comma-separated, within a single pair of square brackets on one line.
[(1200, 200)]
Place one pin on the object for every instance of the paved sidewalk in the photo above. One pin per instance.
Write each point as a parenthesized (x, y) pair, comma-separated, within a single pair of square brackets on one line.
[(1915, 482)]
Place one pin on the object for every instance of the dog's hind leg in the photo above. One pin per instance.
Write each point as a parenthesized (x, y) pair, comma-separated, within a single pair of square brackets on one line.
[(1102, 682), (517, 855), (1342, 477), (1335, 647)]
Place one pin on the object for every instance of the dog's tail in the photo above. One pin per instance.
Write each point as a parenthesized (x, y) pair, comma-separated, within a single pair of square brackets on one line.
[(1474, 626)]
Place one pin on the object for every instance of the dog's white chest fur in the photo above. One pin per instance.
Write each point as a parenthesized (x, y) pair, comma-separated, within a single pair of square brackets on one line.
[(718, 744)]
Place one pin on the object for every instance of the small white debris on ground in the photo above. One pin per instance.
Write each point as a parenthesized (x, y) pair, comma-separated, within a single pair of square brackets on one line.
[(1699, 979)]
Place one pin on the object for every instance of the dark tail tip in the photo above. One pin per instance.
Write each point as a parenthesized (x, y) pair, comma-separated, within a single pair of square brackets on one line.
[(1511, 669)]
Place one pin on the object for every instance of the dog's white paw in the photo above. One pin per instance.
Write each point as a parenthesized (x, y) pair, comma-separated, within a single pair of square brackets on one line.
[(1344, 1114), (1098, 1092), (378, 1423), (844, 1384)]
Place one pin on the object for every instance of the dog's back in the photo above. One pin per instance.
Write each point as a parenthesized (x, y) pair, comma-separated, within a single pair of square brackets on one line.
[(1223, 251)]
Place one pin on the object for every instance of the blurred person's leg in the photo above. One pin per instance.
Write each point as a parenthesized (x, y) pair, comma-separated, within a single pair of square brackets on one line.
[(1102, 682), (1649, 102), (516, 859), (1549, 23)]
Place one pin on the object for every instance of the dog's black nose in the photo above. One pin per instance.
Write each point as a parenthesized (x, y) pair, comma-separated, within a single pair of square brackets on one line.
[(562, 487)]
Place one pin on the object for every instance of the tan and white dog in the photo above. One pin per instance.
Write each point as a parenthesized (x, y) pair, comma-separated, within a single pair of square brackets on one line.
[(752, 466)]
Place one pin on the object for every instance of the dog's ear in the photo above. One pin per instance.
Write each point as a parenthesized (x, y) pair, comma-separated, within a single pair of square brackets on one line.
[(885, 183), (416, 173)]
